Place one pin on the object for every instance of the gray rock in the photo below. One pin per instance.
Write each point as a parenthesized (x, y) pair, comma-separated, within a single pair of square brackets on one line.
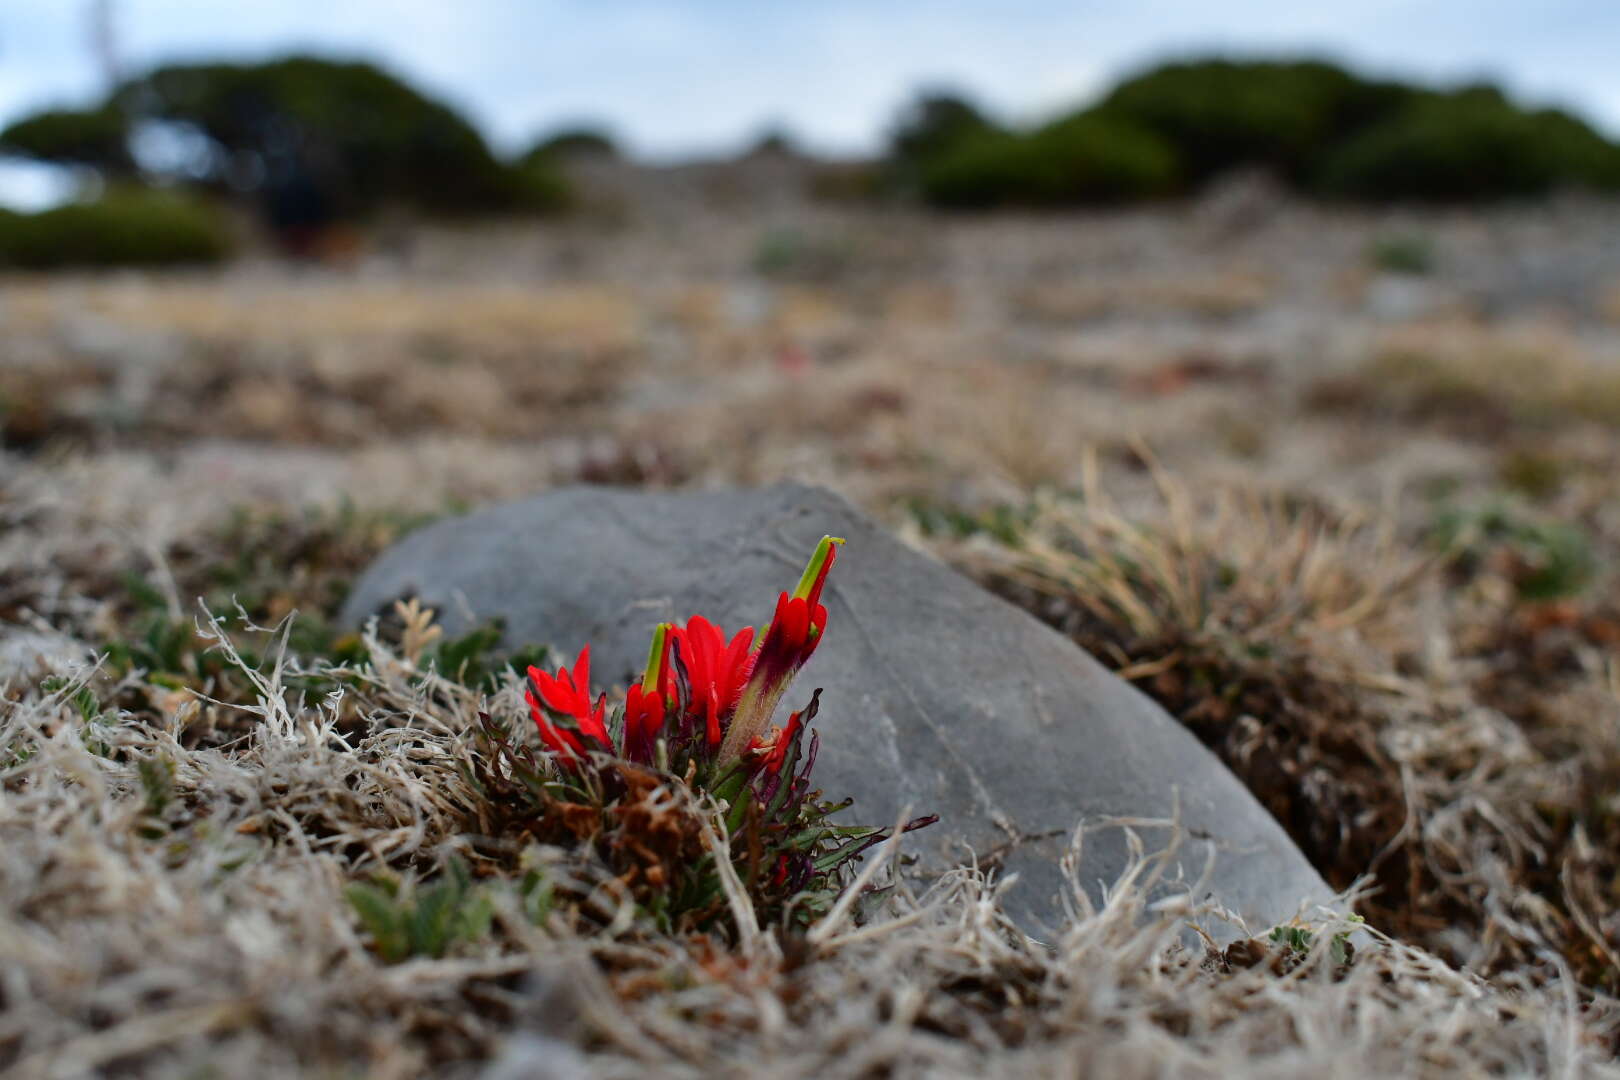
[(938, 695)]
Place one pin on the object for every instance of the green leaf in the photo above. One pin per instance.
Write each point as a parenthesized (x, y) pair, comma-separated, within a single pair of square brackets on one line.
[(382, 919)]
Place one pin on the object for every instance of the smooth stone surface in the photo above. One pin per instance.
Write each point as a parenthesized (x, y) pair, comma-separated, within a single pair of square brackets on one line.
[(938, 695)]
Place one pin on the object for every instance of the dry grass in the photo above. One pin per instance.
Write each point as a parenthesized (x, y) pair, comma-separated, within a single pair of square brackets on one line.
[(166, 926), (178, 839), (1479, 380), (209, 930), (1221, 293), (1365, 702)]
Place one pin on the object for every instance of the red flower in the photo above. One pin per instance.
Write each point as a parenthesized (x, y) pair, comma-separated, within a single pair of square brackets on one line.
[(568, 694), (776, 752), (789, 641), (643, 716), (715, 671), (800, 618), (646, 702)]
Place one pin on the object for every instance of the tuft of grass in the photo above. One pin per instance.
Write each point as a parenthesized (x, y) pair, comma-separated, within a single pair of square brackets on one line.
[(1478, 381), (1225, 611), (1293, 641)]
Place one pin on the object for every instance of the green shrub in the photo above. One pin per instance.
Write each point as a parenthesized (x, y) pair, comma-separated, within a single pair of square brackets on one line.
[(352, 131), (122, 228), (1467, 146), (571, 143), (1219, 114), (1588, 158), (1314, 124), (98, 138), (1086, 158), (537, 187), (933, 125)]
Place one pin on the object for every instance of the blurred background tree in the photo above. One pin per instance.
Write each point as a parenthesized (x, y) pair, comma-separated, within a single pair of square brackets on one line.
[(312, 145), (1468, 145), (582, 141), (307, 143), (348, 133), (935, 123), (1314, 125), (96, 139), (1222, 114)]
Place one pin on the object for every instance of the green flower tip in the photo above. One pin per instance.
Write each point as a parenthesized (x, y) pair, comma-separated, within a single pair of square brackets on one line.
[(651, 681), (816, 571)]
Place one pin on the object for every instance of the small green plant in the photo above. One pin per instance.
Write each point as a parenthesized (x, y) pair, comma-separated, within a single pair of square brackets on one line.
[(475, 658), (407, 918), (793, 254), (1004, 522), (1297, 940), (82, 697), (1545, 560), (1402, 253), (157, 783)]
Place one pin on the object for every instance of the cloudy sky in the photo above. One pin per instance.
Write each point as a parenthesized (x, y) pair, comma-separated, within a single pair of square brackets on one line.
[(681, 76)]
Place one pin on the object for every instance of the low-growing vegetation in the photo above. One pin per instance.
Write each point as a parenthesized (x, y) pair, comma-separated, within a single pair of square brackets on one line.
[(1284, 635), (334, 857), (1529, 378), (123, 227), (237, 837)]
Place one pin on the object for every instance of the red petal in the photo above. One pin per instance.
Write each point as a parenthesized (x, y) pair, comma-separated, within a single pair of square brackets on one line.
[(821, 578), (712, 725), (582, 672), (558, 741), (818, 625), (552, 691), (796, 623)]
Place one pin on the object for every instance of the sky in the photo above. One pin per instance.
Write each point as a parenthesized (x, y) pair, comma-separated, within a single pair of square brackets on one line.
[(677, 78)]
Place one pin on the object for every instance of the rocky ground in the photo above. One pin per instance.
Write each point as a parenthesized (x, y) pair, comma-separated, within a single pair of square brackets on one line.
[(1336, 488)]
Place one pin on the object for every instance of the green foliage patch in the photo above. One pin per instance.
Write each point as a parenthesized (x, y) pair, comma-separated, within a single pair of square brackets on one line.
[(124, 227), (407, 918), (1545, 559), (1469, 145), (1323, 129), (98, 138), (1088, 158)]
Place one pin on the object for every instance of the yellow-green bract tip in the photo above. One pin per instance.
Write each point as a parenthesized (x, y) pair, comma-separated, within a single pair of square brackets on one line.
[(655, 659), (812, 571)]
